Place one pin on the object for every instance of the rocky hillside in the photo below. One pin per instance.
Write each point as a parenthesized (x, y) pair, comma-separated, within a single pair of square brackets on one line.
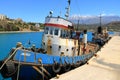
[(18, 25), (113, 26)]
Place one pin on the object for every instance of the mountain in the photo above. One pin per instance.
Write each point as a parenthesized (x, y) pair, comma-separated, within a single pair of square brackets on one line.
[(113, 26), (94, 19)]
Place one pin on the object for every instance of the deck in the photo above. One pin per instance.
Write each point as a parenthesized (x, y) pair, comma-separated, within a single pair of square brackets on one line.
[(106, 66)]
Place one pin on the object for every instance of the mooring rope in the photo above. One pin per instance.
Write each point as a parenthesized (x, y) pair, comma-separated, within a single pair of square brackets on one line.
[(42, 69), (18, 68), (9, 57)]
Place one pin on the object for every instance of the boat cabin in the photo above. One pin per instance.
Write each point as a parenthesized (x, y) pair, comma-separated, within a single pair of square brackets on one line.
[(58, 38)]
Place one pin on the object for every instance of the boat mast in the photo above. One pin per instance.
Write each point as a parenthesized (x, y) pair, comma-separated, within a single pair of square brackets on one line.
[(78, 24), (67, 10), (100, 20), (100, 27)]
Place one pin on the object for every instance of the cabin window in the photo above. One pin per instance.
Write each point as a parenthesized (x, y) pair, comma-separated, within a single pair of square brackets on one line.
[(62, 34), (56, 32), (66, 34), (46, 30), (51, 30)]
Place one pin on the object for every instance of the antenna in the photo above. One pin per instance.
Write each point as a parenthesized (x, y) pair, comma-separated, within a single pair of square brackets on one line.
[(100, 19), (50, 13), (99, 30), (78, 24), (68, 10), (60, 13)]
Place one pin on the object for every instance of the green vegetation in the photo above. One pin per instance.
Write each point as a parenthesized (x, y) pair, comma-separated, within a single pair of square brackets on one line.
[(19, 25), (90, 27), (113, 26)]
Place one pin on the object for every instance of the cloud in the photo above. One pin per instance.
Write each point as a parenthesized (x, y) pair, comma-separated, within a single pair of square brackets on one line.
[(110, 14), (78, 16), (89, 19)]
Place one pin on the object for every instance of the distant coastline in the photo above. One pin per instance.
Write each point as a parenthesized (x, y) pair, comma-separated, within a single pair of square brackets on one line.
[(19, 31)]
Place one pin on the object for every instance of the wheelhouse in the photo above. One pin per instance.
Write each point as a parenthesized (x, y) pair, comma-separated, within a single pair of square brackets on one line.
[(58, 37)]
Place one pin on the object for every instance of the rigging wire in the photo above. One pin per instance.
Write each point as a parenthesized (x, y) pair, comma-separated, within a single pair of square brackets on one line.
[(77, 5), (80, 16)]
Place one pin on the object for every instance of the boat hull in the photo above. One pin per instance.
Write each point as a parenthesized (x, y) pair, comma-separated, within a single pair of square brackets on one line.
[(23, 70)]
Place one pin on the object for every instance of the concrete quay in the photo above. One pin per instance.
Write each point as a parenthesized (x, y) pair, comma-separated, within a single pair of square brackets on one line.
[(106, 66)]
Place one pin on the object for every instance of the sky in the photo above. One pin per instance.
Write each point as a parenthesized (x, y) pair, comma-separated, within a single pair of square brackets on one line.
[(37, 10)]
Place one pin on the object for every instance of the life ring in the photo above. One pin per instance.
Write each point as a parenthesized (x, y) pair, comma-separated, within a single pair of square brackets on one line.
[(56, 67), (77, 64), (8, 69), (86, 60), (66, 67)]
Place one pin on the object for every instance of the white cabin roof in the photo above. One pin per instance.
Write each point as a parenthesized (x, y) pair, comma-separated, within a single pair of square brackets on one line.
[(57, 22)]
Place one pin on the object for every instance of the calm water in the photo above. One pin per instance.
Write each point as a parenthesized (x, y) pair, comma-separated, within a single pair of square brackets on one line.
[(9, 40)]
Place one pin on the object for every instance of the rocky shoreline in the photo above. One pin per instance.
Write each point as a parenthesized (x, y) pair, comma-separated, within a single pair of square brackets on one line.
[(20, 31)]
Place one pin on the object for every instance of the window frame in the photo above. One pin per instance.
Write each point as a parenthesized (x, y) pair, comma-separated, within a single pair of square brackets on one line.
[(46, 30), (56, 29)]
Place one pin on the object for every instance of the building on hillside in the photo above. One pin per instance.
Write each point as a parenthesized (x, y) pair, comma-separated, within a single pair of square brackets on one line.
[(37, 26), (19, 20), (2, 17)]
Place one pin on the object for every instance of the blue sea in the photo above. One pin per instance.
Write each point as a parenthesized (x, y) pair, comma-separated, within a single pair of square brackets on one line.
[(9, 40)]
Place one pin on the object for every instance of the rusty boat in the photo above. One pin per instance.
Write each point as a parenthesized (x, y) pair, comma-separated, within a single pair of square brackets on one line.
[(62, 50)]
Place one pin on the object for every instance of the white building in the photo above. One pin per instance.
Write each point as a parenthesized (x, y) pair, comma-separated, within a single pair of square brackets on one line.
[(2, 17)]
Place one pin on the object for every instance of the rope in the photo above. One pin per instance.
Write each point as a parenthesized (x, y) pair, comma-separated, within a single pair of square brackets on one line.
[(18, 68), (38, 70), (42, 70), (46, 71), (9, 58)]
